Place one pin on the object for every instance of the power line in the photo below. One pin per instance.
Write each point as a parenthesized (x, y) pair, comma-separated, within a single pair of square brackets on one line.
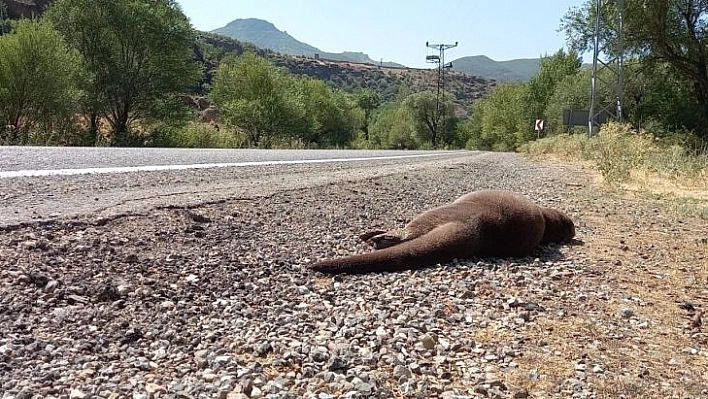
[(614, 64), (439, 59)]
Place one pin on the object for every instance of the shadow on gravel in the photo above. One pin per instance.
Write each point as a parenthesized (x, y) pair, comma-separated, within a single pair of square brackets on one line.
[(553, 252), (544, 253)]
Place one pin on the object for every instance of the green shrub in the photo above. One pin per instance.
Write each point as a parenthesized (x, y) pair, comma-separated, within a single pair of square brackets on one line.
[(197, 135), (38, 93), (618, 150)]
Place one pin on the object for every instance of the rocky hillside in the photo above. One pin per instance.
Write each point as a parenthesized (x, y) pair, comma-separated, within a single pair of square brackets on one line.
[(387, 81)]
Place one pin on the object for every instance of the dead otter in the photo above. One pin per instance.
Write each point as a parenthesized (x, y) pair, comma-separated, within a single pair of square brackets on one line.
[(481, 223)]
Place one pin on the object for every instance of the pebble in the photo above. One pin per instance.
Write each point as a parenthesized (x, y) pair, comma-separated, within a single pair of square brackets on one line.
[(428, 342), (626, 313)]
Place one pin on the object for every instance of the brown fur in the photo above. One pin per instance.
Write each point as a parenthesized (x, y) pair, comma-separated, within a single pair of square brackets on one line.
[(481, 223)]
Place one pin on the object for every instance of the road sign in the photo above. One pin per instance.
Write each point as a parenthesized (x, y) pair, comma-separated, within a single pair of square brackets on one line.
[(539, 125)]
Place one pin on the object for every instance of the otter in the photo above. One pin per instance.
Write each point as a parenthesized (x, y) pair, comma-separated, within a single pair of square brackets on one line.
[(481, 223)]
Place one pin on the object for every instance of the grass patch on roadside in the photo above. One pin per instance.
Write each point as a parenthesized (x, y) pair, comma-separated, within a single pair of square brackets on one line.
[(639, 161)]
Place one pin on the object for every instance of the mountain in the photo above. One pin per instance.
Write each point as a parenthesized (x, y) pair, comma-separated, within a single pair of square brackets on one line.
[(519, 70), (266, 36), (388, 82)]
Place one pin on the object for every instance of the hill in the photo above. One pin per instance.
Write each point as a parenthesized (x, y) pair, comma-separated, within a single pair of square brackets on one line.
[(349, 72), (349, 76), (518, 70), (265, 35)]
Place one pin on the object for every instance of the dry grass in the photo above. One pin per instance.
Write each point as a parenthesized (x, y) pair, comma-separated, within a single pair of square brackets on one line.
[(637, 162), (643, 253)]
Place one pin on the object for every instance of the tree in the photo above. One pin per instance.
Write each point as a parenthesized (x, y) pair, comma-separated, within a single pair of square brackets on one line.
[(429, 115), (393, 127), (335, 119), (663, 31), (38, 72), (137, 52), (498, 121), (541, 87), (254, 95), (368, 100), (3, 16), (573, 92), (656, 97)]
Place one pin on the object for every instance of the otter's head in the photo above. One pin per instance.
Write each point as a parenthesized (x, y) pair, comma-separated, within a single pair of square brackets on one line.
[(559, 227)]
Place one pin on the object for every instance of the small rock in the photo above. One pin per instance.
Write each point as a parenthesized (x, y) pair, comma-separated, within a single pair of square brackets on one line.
[(338, 364), (401, 372), (51, 286), (491, 357), (152, 388), (428, 342), (319, 354), (626, 313), (364, 387), (523, 394), (77, 394), (200, 357), (209, 375), (167, 304), (691, 351), (256, 393), (264, 348)]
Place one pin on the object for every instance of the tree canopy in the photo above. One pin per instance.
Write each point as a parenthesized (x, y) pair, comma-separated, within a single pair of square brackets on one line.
[(670, 32), (137, 52), (38, 74)]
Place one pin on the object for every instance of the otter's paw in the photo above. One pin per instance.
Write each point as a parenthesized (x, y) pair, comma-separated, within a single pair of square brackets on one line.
[(367, 236), (384, 241)]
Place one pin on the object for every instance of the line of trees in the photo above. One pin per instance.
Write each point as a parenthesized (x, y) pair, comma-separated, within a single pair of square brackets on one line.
[(111, 72), (665, 87), (112, 60), (272, 106)]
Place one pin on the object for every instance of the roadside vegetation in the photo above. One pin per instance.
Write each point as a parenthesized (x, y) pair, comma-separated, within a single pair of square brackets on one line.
[(122, 73), (661, 149), (626, 156)]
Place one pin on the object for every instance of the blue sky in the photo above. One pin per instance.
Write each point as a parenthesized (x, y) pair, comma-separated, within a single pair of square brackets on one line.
[(397, 30)]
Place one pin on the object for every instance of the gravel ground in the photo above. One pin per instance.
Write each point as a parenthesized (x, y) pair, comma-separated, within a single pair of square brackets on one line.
[(214, 300)]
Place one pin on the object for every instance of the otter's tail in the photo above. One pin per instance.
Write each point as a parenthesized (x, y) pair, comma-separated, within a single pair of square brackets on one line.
[(442, 244)]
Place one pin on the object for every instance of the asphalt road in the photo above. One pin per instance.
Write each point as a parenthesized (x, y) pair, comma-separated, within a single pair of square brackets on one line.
[(42, 184), (13, 159)]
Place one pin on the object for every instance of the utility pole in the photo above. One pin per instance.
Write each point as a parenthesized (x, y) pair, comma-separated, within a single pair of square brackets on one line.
[(614, 63), (439, 59)]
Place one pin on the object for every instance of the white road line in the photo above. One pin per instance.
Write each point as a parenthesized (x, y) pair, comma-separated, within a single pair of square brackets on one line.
[(153, 168)]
